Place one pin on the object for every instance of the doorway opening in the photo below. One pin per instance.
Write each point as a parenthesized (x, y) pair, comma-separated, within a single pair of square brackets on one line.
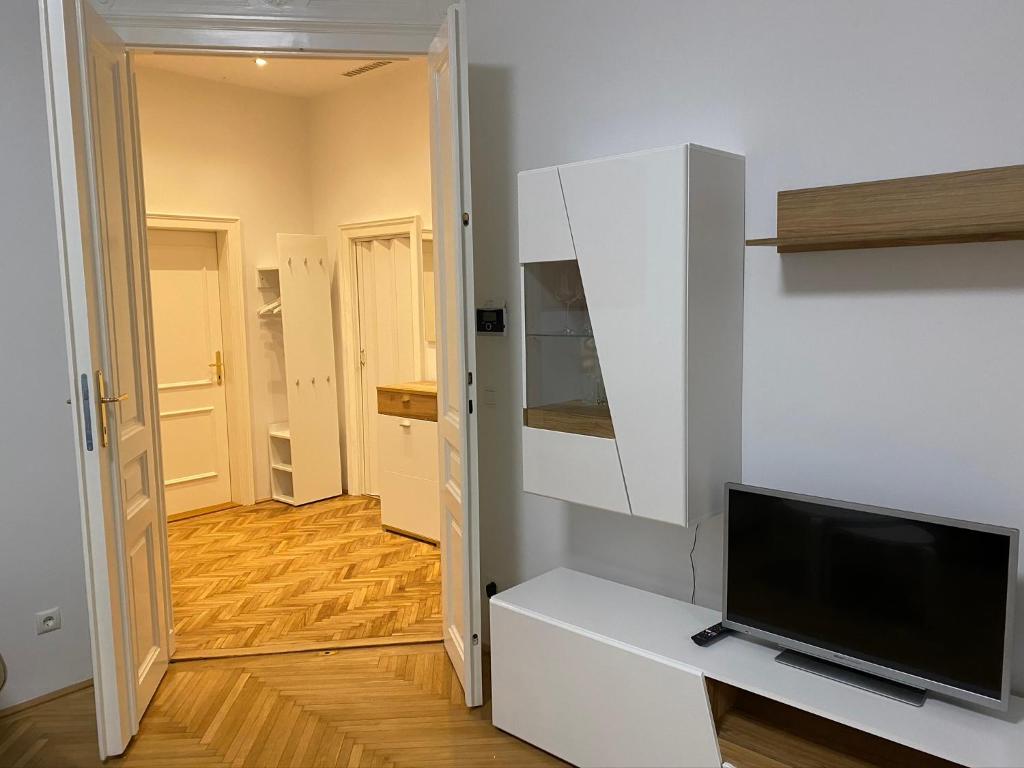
[(93, 108), (289, 146)]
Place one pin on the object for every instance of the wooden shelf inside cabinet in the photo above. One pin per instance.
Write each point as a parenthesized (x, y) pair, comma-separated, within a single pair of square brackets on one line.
[(282, 467), (281, 433), (575, 416), (755, 730), (962, 207)]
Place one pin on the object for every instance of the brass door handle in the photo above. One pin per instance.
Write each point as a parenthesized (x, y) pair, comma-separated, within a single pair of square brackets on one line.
[(103, 399), (218, 364)]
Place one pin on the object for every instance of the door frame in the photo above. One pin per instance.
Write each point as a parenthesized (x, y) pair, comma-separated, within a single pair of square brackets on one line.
[(235, 340), (176, 27), (346, 298)]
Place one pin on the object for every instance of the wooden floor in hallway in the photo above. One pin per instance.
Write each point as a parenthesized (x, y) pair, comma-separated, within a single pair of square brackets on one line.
[(385, 706), (271, 578)]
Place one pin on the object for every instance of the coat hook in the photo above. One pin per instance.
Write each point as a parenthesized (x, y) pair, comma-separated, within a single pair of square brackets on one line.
[(289, 261), (296, 382), (328, 379), (305, 260), (313, 380)]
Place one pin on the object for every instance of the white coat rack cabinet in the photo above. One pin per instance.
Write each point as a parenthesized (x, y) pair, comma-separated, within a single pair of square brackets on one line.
[(633, 331), (305, 457)]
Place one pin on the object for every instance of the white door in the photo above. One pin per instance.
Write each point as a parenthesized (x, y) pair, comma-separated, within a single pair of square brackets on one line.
[(456, 421), (386, 276), (190, 368), (100, 216)]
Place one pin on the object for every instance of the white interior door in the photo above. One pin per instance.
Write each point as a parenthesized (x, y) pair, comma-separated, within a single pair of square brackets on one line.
[(190, 371), (453, 256), (100, 215), (385, 274)]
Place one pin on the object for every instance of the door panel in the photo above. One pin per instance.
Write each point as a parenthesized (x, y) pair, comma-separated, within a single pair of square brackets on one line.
[(187, 334), (97, 180), (133, 434), (453, 256), (387, 294)]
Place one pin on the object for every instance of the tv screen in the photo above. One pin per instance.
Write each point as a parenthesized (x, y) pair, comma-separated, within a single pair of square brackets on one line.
[(910, 594)]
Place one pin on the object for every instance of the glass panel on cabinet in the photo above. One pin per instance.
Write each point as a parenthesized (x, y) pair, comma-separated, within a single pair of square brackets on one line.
[(564, 388)]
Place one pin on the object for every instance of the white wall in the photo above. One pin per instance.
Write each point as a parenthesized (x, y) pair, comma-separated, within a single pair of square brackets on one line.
[(41, 563), (370, 149), (370, 156), (213, 149), (285, 164), (891, 377)]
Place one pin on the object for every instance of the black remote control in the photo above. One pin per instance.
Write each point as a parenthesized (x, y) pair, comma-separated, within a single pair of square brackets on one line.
[(709, 635)]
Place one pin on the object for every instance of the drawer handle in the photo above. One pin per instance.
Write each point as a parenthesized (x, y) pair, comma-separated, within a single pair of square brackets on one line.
[(406, 398), (405, 423)]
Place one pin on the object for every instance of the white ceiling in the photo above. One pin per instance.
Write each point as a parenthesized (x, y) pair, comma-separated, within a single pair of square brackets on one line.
[(305, 77)]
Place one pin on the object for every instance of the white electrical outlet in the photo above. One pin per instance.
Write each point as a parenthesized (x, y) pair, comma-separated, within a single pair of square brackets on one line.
[(48, 621)]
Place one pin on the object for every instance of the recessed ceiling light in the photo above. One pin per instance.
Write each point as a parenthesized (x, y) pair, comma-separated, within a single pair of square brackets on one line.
[(261, 62)]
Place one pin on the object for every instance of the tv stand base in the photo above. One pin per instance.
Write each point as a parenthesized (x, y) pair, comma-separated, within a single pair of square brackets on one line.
[(905, 693)]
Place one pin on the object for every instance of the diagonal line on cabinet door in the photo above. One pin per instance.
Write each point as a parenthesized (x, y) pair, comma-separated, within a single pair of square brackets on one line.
[(572, 239), (568, 222)]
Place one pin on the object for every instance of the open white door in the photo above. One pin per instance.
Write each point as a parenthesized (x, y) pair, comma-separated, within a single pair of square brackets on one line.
[(456, 350), (98, 194)]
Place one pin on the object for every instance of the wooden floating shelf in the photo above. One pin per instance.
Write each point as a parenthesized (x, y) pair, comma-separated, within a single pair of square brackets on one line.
[(576, 416), (963, 207)]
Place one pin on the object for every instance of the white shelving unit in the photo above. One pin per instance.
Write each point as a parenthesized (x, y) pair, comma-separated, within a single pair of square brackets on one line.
[(305, 456), (599, 673), (632, 330)]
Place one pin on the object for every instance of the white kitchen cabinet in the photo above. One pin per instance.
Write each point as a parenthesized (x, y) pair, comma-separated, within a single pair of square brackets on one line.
[(632, 289)]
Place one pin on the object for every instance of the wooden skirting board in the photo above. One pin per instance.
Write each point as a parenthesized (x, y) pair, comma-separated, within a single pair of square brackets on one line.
[(411, 535), (961, 207), (46, 697), (176, 516), (326, 645)]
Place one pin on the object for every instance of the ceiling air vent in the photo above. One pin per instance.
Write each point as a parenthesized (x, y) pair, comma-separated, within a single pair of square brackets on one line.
[(366, 68)]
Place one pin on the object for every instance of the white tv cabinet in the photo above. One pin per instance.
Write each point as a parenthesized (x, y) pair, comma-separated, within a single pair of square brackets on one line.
[(599, 674), (632, 289)]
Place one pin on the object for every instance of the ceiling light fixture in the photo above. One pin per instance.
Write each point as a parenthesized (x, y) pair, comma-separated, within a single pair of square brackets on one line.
[(261, 62)]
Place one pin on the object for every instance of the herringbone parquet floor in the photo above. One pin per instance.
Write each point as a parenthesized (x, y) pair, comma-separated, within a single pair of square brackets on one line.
[(272, 578), (384, 706)]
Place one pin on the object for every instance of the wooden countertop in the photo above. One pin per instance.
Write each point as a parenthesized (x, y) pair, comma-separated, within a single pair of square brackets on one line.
[(411, 387), (411, 400)]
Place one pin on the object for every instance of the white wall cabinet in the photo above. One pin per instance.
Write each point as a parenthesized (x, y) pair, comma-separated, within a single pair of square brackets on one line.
[(632, 288)]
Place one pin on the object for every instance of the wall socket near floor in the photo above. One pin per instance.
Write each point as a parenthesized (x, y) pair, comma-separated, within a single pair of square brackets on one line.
[(48, 621)]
